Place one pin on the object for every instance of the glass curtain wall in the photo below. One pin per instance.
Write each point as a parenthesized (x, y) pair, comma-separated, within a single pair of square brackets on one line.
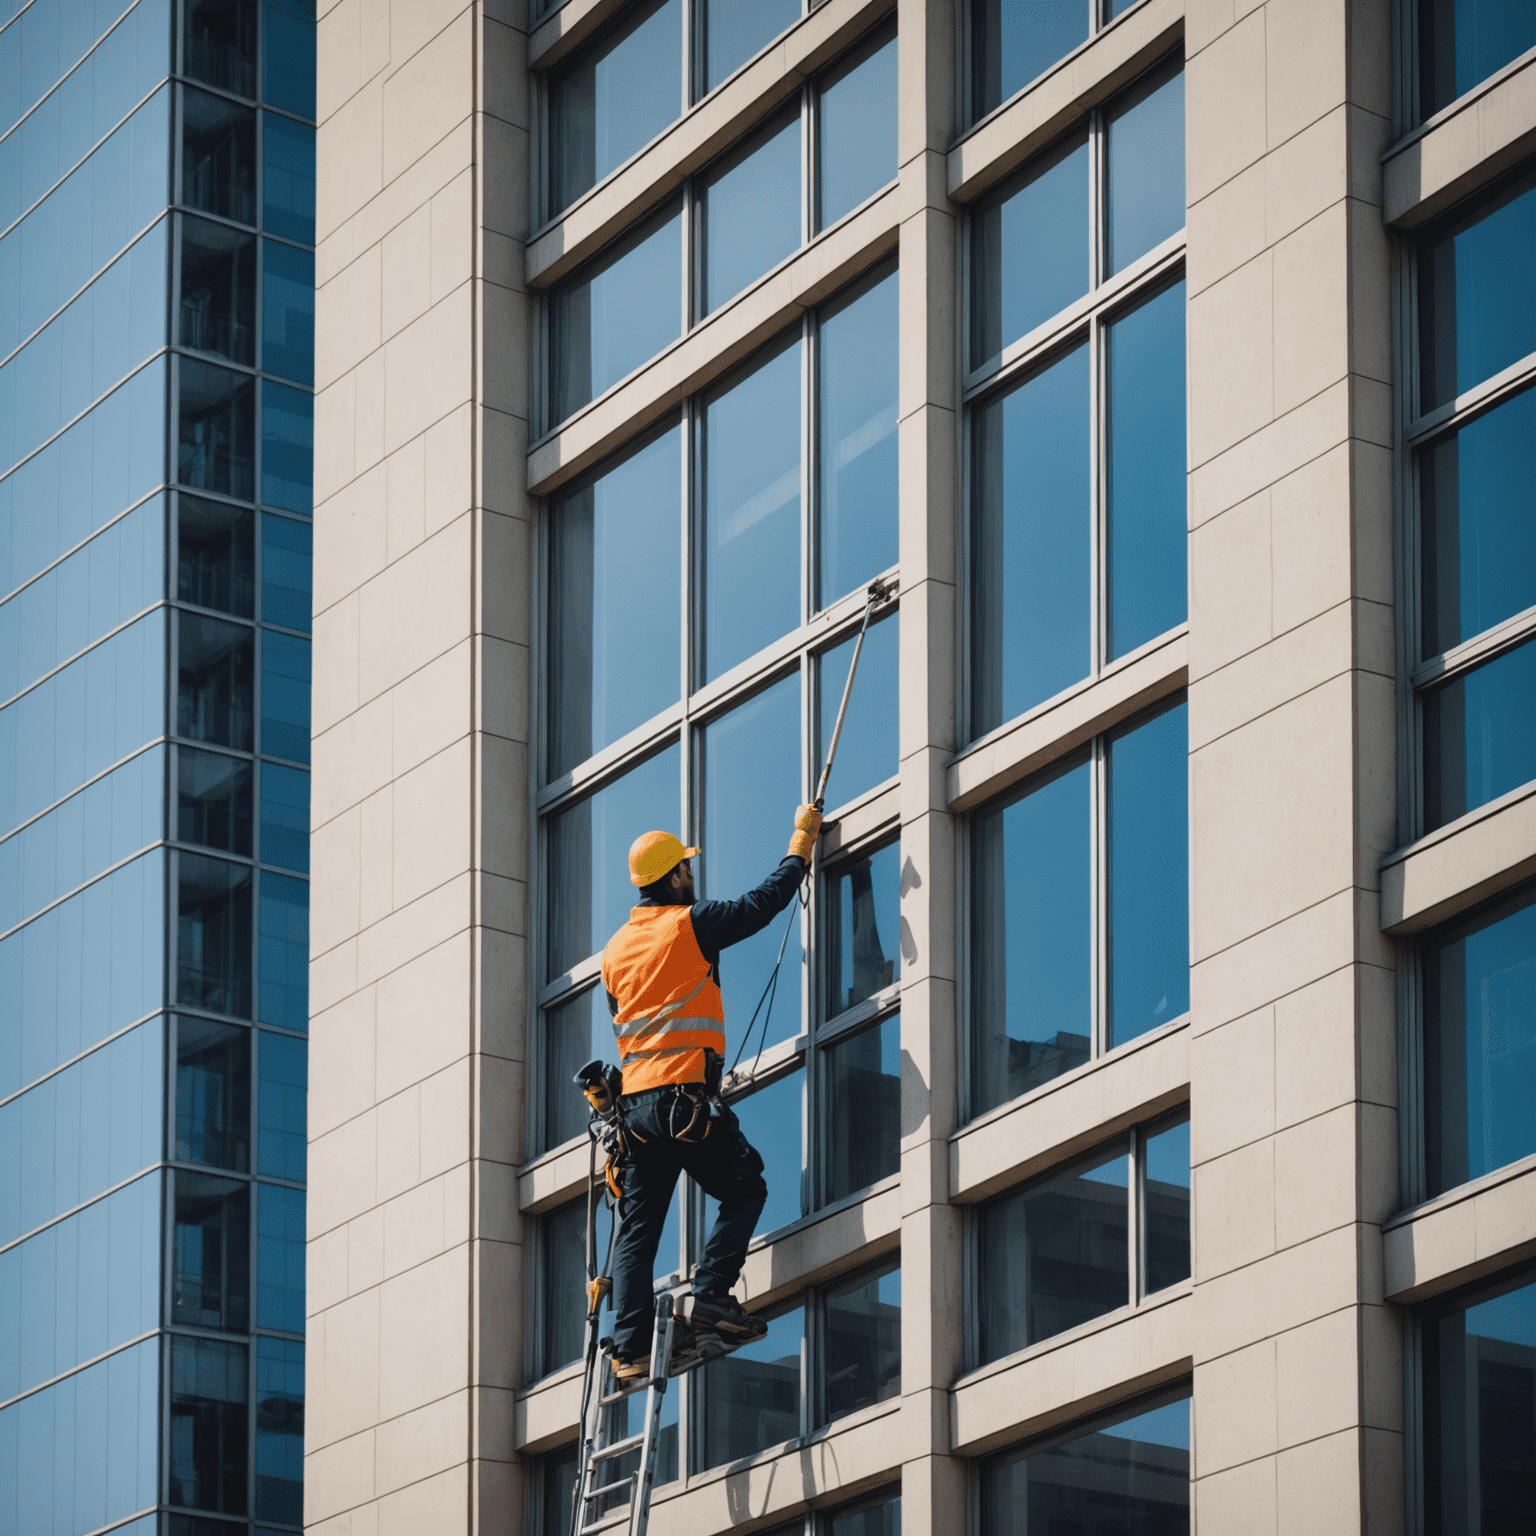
[(733, 221), (241, 542), (1076, 406), (1472, 440), (156, 219), (84, 250)]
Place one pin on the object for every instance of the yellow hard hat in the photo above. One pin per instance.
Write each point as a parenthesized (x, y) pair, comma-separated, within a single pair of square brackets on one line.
[(654, 854)]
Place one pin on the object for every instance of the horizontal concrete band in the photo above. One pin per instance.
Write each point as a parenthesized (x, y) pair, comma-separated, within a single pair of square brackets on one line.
[(1463, 1236), (1463, 148), (1477, 858)]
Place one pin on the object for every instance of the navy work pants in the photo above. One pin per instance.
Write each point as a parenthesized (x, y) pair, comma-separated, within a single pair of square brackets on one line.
[(724, 1165)]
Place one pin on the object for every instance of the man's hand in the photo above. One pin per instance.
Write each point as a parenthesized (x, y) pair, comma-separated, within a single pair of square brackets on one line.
[(807, 825)]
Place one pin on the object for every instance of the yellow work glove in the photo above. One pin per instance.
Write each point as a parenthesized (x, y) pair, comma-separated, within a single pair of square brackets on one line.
[(807, 825)]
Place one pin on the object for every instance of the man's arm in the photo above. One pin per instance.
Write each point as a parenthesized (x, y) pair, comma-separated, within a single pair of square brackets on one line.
[(719, 924)]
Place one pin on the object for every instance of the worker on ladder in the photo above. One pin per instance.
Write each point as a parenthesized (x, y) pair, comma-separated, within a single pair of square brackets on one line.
[(662, 972)]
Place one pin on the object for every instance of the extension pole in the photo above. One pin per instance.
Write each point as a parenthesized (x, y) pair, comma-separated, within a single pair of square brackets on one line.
[(877, 591)]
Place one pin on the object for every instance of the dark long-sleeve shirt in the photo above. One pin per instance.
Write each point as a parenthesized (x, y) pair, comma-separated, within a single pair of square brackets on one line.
[(719, 924)]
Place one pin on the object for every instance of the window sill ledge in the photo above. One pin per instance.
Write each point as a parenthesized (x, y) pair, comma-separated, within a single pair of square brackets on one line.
[(1461, 1236), (1476, 857)]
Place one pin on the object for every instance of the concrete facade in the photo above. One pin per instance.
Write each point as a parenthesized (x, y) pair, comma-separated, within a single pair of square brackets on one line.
[(425, 1187)]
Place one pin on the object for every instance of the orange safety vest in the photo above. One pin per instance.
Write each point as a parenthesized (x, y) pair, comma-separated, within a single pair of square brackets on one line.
[(670, 1007)]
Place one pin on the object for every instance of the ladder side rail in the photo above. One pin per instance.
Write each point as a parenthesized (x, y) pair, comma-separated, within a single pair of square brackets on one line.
[(661, 1355)]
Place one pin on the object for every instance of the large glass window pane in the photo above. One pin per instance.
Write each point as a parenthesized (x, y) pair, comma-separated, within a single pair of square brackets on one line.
[(213, 801), (752, 1398), (282, 970), (221, 44), (213, 1094), (1463, 42), (1477, 296), (575, 1032), (285, 684), (856, 469), (213, 943), (1131, 1476), (216, 430), (1031, 576), (1029, 249), (563, 1256), (863, 931), (862, 1353), (1053, 1257), (557, 1486), (863, 1113), (288, 68), (616, 314), (211, 1282), (1148, 772), (280, 1258), (751, 534), (215, 680), (287, 447), (749, 212), (1012, 41), (1479, 736), (868, 749), (287, 571), (1167, 1207), (208, 1452), (735, 30), (281, 1137), (616, 536), (1477, 521), (288, 179), (280, 1430), (215, 555), (770, 1120), (1145, 133), (218, 156), (1031, 922), (751, 785), (1480, 1046), (285, 817), (1479, 1426), (1146, 472), (615, 98), (857, 141), (218, 290), (287, 312), (590, 896)]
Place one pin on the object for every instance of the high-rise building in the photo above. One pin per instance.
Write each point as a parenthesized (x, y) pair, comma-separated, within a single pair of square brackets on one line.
[(1148, 1100), (156, 424)]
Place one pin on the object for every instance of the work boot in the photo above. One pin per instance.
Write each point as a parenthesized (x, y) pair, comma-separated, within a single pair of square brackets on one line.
[(720, 1314), (627, 1373)]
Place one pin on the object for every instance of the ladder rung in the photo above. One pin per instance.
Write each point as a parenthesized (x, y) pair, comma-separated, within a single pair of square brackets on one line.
[(622, 1394), (619, 1448), (618, 1485), (607, 1523)]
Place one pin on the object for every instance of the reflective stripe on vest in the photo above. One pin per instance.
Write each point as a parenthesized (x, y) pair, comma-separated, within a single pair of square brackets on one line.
[(669, 1007)]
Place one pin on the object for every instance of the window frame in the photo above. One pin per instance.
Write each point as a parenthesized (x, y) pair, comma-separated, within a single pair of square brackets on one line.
[(807, 96), (1087, 319), (794, 654), (1131, 1143), (1095, 754)]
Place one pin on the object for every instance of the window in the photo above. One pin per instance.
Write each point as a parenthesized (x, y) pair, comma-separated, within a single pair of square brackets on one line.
[(734, 220), (221, 44), (1077, 459), (828, 1353), (724, 747), (213, 1094), (1108, 1231), (280, 1431), (1479, 1382), (1472, 442), (218, 290), (1479, 986), (211, 1280), (1079, 917), (218, 156), (1127, 1475), (1463, 42), (208, 1451), (635, 79), (1013, 41)]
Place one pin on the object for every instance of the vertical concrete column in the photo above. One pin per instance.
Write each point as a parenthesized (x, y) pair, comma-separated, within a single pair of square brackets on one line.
[(503, 733), (933, 1484), (1297, 1366)]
